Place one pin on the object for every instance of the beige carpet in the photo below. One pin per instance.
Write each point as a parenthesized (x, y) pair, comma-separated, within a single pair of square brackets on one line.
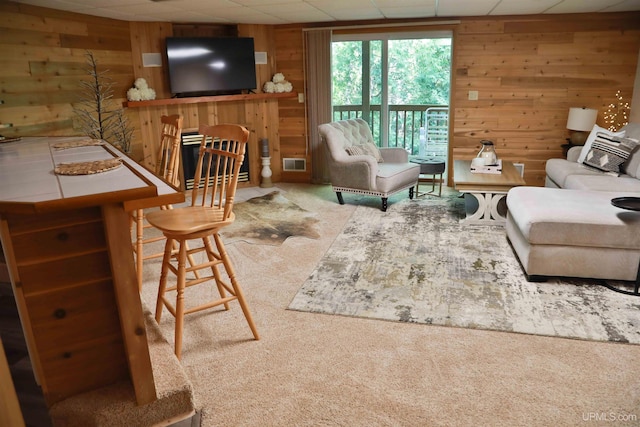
[(314, 369)]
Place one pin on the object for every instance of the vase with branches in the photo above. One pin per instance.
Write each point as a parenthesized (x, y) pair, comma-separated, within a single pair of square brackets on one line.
[(97, 114)]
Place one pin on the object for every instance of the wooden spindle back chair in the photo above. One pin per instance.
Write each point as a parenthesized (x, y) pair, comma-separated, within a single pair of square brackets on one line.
[(220, 157), (167, 165)]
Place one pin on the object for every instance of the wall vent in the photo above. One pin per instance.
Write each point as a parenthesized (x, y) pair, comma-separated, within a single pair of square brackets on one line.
[(520, 168), (294, 164)]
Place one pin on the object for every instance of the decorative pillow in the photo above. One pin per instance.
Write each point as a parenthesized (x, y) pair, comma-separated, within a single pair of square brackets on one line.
[(632, 166), (609, 153), (365, 149), (592, 136), (355, 150)]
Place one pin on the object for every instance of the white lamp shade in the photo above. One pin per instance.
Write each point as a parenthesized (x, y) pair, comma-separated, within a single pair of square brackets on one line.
[(582, 119)]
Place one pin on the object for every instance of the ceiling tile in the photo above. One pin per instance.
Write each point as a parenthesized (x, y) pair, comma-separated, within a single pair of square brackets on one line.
[(299, 11), (522, 7), (470, 8), (581, 6), (624, 6), (409, 12)]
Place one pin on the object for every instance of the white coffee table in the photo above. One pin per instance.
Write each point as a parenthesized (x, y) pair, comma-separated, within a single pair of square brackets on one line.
[(487, 189)]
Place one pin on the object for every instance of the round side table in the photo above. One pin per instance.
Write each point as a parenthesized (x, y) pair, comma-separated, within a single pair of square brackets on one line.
[(430, 166), (631, 204)]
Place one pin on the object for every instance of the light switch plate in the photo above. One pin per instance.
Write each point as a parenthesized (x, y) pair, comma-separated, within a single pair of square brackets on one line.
[(473, 95)]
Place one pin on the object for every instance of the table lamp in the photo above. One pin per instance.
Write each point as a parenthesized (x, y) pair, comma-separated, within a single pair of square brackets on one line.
[(580, 122)]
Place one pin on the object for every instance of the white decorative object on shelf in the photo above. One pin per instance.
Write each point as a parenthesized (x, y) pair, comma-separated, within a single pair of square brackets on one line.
[(141, 91), (476, 167), (266, 173), (487, 153), (278, 84)]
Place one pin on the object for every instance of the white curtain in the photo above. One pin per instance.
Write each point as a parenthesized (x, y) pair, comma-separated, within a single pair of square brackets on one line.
[(318, 96)]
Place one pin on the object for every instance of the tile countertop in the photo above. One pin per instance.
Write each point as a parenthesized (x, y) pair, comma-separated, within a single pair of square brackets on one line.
[(27, 175)]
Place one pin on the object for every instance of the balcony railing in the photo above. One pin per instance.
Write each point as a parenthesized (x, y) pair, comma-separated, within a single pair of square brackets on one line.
[(405, 122)]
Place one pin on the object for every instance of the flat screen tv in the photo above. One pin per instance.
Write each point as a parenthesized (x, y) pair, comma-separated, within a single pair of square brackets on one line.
[(201, 66)]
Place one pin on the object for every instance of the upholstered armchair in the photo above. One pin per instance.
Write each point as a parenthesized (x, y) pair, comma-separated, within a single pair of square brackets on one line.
[(356, 165)]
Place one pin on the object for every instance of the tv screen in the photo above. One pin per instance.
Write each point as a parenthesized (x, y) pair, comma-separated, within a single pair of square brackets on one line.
[(200, 66)]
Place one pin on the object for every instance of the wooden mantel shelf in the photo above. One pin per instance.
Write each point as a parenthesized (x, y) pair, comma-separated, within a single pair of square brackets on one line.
[(201, 99)]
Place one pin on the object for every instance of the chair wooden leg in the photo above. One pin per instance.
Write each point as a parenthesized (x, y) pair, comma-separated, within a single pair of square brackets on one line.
[(385, 204), (411, 193), (168, 249), (236, 286), (339, 196), (182, 263), (139, 246), (211, 255)]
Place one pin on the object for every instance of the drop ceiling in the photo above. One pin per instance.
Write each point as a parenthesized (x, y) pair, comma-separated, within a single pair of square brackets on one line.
[(306, 11)]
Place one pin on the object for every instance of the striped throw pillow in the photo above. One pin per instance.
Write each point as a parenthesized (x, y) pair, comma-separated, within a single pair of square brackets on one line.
[(608, 153)]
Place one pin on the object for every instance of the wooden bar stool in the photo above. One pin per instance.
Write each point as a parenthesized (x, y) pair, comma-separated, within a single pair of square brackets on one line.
[(167, 163), (220, 156)]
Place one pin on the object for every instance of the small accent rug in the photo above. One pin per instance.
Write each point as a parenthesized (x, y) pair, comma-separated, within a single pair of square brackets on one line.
[(417, 263), (270, 220)]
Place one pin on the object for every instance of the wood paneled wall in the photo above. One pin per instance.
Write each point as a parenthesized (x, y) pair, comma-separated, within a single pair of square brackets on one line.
[(292, 113), (528, 72), (43, 55), (260, 116)]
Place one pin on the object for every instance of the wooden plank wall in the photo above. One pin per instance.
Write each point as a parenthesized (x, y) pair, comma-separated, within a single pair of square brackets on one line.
[(43, 57), (259, 116), (292, 114), (528, 72)]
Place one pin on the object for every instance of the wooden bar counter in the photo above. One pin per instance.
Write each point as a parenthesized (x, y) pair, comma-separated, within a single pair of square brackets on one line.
[(67, 244)]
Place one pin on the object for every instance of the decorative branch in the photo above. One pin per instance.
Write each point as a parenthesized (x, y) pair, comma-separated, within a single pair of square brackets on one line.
[(95, 111)]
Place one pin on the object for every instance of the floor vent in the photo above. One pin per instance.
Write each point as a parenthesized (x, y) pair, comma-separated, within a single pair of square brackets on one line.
[(294, 165)]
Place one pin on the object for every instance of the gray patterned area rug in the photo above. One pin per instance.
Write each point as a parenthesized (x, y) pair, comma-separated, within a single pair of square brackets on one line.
[(417, 263)]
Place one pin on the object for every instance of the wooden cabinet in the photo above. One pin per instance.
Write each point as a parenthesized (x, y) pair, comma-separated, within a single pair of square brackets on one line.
[(65, 294)]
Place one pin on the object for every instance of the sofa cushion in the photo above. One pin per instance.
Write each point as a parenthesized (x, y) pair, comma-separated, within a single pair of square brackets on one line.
[(559, 169), (632, 166), (552, 216), (632, 130), (592, 136), (608, 153), (602, 182)]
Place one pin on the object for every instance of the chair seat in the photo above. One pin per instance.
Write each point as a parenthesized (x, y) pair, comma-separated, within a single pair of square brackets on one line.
[(189, 220)]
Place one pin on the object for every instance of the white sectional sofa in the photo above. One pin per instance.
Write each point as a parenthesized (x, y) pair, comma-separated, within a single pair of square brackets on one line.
[(569, 174), (570, 228)]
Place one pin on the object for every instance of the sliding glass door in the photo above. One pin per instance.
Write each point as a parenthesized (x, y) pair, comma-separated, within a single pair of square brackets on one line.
[(399, 83)]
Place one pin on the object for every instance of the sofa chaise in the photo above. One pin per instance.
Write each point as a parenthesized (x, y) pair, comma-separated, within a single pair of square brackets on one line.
[(570, 228)]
